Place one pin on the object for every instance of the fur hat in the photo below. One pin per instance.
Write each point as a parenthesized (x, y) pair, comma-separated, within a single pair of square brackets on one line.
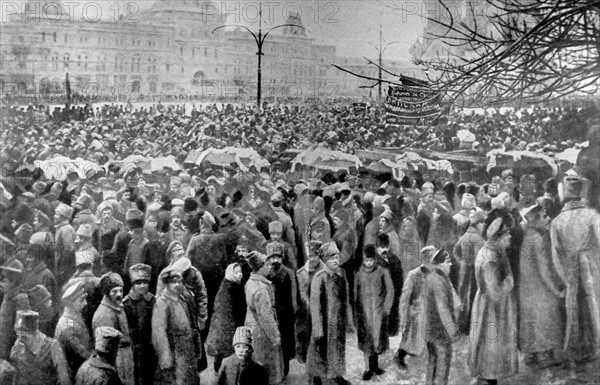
[(139, 272), (170, 274), (177, 211), (26, 321), (468, 201), (427, 189), (135, 219), (242, 335), (13, 269), (328, 250), (84, 200), (110, 281), (275, 227), (39, 187), (190, 204), (105, 205), (84, 256), (275, 249), (370, 252), (256, 260), (38, 295), (84, 230), (107, 339), (73, 292), (38, 238)]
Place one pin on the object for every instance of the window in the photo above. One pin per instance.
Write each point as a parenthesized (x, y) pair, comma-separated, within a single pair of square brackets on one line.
[(85, 62), (205, 52), (43, 37), (66, 60), (55, 62), (66, 38), (181, 51), (79, 61), (54, 36), (167, 67), (215, 53)]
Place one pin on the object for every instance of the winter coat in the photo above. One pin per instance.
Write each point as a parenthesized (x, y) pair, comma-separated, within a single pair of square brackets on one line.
[(439, 322), (393, 265), (465, 252), (155, 256), (41, 275), (493, 335), (208, 254), (135, 251), (229, 313), (234, 371), (288, 227), (345, 239), (575, 235), (13, 301), (74, 337), (138, 310), (303, 322), (331, 315), (104, 234), (96, 371), (373, 299), (411, 311), (64, 259), (173, 341), (262, 319), (108, 314), (301, 219), (84, 217), (285, 290), (541, 304), (91, 286), (394, 240), (410, 245), (46, 365), (327, 229)]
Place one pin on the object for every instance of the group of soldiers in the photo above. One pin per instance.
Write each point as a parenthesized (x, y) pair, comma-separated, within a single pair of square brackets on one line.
[(139, 286)]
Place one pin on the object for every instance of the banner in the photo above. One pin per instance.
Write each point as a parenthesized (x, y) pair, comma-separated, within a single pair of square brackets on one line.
[(412, 106)]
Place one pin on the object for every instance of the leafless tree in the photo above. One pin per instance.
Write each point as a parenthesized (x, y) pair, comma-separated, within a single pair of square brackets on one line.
[(499, 51)]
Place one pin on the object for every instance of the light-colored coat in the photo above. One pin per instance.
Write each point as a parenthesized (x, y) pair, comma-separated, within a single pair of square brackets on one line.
[(173, 340), (108, 314), (262, 319), (74, 337), (575, 235), (493, 337)]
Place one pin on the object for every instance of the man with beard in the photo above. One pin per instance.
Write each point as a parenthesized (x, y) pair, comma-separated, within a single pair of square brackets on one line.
[(138, 305), (178, 231), (331, 317), (289, 254), (111, 313), (71, 331), (105, 230), (65, 244), (284, 284)]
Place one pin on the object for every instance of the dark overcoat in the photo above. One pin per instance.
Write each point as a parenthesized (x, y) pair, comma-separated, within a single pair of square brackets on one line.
[(229, 313), (373, 299), (96, 371), (138, 310), (331, 315)]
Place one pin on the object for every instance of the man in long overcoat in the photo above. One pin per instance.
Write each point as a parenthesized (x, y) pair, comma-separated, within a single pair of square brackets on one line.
[(541, 299), (71, 330), (305, 275), (575, 235), (331, 317), (393, 264), (64, 259), (373, 299), (262, 318), (138, 305), (111, 313), (173, 334)]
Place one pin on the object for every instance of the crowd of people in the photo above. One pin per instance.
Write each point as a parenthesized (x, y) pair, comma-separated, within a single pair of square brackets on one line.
[(106, 282), (117, 130)]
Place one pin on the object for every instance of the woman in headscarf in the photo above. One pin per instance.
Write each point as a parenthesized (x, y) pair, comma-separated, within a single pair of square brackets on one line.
[(228, 314), (493, 354)]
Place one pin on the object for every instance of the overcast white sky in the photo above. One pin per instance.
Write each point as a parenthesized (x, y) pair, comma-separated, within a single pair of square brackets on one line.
[(348, 24)]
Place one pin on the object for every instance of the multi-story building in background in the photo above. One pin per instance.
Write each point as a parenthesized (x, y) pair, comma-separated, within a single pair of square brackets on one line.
[(169, 48)]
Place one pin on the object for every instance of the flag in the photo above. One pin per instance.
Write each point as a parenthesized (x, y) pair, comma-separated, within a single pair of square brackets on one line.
[(412, 105), (68, 87)]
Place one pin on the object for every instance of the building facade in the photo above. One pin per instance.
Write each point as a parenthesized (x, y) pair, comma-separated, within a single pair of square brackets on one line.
[(169, 48)]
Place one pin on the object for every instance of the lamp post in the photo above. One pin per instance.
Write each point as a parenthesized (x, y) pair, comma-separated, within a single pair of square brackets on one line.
[(380, 50), (260, 40)]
